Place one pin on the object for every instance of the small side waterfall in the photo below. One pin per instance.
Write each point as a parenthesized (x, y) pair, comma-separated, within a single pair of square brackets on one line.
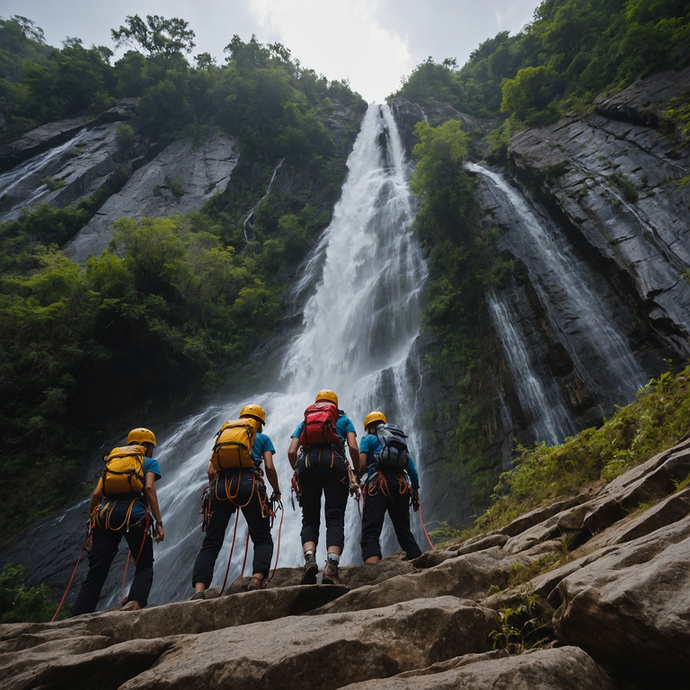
[(578, 316), (358, 338), (541, 398)]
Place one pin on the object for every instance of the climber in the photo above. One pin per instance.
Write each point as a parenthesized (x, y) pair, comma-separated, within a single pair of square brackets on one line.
[(317, 454), (384, 457), (236, 481), (122, 504)]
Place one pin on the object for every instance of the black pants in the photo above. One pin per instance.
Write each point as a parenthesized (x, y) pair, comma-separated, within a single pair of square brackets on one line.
[(242, 489), (392, 496), (323, 471), (105, 545)]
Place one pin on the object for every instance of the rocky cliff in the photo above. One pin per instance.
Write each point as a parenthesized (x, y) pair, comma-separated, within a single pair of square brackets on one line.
[(609, 193), (591, 592)]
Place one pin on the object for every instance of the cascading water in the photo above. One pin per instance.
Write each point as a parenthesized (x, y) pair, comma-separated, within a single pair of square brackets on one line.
[(541, 399), (578, 315), (358, 338)]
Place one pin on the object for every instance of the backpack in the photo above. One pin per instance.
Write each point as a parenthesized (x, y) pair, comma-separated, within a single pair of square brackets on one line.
[(320, 420), (233, 446), (393, 446), (124, 470)]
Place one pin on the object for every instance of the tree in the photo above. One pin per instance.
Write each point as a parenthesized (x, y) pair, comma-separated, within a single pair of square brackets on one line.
[(157, 35)]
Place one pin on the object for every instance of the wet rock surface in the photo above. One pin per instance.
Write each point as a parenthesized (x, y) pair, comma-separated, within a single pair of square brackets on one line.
[(616, 611), (178, 180)]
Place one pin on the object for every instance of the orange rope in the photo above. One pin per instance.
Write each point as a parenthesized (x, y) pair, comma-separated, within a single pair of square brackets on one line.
[(74, 572)]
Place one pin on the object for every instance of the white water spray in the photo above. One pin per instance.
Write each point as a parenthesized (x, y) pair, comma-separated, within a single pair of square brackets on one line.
[(358, 335), (601, 355)]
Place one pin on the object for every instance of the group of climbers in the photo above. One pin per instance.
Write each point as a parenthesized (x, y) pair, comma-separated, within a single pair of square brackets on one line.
[(382, 471)]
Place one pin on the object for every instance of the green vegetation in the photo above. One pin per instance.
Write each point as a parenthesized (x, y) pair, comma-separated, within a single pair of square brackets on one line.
[(657, 419), (462, 265), (169, 314), (19, 604), (572, 51)]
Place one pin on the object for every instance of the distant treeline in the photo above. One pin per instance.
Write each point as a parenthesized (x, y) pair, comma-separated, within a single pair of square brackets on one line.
[(173, 309), (571, 52)]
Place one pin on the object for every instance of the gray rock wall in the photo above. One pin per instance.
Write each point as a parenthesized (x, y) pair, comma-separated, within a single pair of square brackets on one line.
[(150, 192)]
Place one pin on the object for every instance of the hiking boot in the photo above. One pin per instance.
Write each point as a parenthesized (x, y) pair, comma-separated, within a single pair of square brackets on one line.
[(255, 584), (311, 570), (198, 595), (330, 573)]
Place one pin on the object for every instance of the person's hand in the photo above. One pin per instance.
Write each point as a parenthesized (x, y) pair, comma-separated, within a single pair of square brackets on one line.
[(415, 500), (160, 534)]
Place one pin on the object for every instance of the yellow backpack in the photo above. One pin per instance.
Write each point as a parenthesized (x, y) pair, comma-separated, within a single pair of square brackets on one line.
[(233, 446), (124, 470)]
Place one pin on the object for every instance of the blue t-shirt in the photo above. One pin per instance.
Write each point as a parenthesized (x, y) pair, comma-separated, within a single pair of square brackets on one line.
[(371, 445), (262, 443), (139, 507), (342, 428)]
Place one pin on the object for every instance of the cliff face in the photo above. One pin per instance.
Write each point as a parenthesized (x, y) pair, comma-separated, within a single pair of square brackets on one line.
[(593, 212), (65, 162), (592, 592)]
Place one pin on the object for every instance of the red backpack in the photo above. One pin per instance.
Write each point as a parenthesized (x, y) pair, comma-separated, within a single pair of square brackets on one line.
[(319, 424)]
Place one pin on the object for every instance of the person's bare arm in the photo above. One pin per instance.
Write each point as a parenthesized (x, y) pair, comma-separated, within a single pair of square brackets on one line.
[(211, 472), (292, 451), (354, 450), (96, 497), (152, 501), (362, 463), (271, 473)]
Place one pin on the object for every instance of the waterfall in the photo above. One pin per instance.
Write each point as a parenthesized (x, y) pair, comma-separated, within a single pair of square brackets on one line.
[(571, 296), (360, 324), (540, 396)]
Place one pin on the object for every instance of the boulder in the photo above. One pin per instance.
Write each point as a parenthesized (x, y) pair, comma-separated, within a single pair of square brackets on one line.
[(469, 576), (564, 668), (291, 652), (631, 605)]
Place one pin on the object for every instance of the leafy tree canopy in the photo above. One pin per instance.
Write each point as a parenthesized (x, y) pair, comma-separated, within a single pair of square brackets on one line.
[(572, 50), (157, 35)]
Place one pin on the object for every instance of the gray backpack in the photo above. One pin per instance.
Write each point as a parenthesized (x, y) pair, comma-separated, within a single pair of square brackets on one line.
[(393, 447)]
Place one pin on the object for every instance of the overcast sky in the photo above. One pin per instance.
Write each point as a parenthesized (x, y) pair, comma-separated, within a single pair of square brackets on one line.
[(372, 43)]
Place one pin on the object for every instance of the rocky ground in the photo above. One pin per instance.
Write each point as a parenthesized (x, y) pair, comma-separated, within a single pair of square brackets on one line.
[(589, 592)]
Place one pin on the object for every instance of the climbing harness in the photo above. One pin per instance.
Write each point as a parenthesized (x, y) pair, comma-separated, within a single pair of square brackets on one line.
[(280, 529), (89, 538), (295, 490), (205, 511)]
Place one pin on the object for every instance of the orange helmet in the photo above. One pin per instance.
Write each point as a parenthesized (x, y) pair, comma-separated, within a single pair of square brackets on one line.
[(254, 410), (326, 395), (374, 416), (141, 435)]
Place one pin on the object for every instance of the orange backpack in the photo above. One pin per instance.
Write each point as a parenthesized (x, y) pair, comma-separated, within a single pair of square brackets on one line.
[(124, 470), (233, 446)]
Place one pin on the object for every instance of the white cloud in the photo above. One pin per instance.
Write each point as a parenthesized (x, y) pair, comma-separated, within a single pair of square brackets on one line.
[(342, 40)]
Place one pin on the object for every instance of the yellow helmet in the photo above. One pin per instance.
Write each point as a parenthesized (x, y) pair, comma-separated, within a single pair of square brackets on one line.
[(141, 435), (326, 395), (374, 416), (254, 410)]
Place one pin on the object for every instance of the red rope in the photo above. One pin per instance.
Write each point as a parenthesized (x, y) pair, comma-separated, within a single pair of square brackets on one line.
[(232, 548), (426, 534), (136, 560), (74, 572)]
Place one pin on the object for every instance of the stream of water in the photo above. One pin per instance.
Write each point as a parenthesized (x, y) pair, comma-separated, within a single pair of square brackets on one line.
[(360, 324), (579, 317)]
